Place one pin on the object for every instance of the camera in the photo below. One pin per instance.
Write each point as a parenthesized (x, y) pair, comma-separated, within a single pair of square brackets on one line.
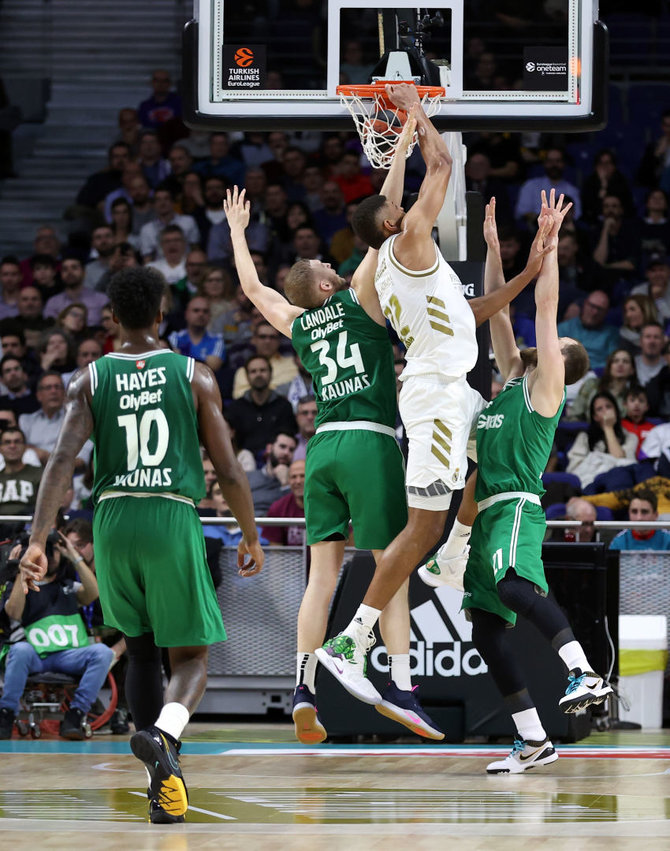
[(9, 567)]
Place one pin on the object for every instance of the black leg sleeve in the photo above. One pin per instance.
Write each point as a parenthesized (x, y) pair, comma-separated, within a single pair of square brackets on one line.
[(489, 635), (144, 681), (520, 596)]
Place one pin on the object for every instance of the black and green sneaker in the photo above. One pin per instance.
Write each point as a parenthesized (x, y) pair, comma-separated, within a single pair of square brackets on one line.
[(167, 791)]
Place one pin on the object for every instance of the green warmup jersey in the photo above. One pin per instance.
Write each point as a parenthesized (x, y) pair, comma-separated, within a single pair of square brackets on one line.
[(350, 359), (513, 443), (146, 429)]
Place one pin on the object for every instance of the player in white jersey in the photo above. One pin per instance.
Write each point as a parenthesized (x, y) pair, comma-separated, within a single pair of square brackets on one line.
[(423, 299)]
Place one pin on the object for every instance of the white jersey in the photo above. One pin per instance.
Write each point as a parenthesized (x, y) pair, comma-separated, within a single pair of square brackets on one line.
[(429, 313)]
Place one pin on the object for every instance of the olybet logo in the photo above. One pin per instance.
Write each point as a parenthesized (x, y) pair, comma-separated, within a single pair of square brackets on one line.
[(440, 640)]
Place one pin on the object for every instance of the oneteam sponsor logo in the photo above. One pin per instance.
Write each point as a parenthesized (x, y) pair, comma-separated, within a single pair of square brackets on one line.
[(441, 640)]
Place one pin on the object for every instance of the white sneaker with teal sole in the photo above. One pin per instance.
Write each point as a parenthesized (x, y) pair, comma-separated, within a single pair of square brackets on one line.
[(524, 755)]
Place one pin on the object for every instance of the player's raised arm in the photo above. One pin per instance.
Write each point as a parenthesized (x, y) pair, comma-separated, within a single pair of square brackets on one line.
[(549, 380), (274, 307)]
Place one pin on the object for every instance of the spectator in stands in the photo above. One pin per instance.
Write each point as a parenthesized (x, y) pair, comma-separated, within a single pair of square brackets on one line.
[(305, 416), (122, 223), (8, 419), (266, 341), (638, 310), (13, 342), (604, 180), (44, 275), (191, 284), (18, 397), (331, 217), (72, 275), (131, 171), (165, 216), (353, 65), (591, 329), (330, 154), (527, 205), (643, 508), (220, 162), (301, 385), (350, 178), (635, 418), (260, 412), (57, 602), (291, 504), (230, 536), (275, 208), (307, 245), (577, 508), (98, 186), (190, 197), (154, 167), (173, 251), (210, 212), (140, 196), (293, 167), (342, 243), (194, 341), (270, 482), (478, 178), (163, 105), (617, 248), (181, 163), (102, 248), (253, 150), (18, 481), (219, 290), (656, 285), (10, 282), (650, 361), (46, 242), (129, 129), (618, 376), (112, 340), (74, 320), (312, 180), (124, 256), (42, 427), (655, 163), (503, 151), (56, 351), (604, 444), (655, 227), (88, 350)]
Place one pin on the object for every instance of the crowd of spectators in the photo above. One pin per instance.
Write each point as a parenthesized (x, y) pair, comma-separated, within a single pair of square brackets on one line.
[(158, 201)]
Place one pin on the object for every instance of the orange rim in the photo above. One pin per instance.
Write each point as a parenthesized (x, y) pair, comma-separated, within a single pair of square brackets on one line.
[(378, 90)]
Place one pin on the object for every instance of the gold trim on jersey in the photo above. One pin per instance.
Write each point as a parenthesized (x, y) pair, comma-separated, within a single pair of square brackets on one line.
[(439, 315), (409, 272), (442, 437)]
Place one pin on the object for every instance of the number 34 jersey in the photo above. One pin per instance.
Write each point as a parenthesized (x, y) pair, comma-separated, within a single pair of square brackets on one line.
[(145, 426), (350, 359), (429, 313)]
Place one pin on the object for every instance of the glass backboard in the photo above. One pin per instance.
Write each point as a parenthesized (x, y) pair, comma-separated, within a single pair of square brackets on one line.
[(504, 64)]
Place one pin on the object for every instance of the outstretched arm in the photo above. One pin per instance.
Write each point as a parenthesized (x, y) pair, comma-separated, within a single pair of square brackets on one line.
[(363, 280), (548, 381), (274, 307)]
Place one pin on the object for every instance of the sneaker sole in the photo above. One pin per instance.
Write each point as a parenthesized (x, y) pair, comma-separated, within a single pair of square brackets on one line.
[(172, 787), (366, 694), (547, 760), (308, 729), (436, 582), (583, 702), (409, 720)]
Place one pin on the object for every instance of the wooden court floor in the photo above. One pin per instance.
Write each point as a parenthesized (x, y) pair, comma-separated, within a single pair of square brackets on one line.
[(254, 787)]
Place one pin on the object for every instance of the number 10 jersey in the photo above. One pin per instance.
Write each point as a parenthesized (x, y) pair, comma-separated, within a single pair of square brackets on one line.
[(145, 426)]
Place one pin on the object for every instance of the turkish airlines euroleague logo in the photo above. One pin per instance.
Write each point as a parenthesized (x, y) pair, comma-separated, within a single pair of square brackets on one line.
[(244, 57), (244, 66)]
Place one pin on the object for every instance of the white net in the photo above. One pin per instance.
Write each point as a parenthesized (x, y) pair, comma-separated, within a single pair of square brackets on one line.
[(380, 124)]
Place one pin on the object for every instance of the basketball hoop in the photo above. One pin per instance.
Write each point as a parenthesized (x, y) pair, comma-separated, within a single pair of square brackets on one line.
[(378, 121)]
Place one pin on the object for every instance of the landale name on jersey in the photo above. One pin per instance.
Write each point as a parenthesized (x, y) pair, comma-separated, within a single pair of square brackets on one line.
[(490, 420), (321, 316), (344, 388)]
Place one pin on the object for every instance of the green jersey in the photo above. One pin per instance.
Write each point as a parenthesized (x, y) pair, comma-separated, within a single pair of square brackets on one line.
[(513, 443), (145, 426), (350, 359)]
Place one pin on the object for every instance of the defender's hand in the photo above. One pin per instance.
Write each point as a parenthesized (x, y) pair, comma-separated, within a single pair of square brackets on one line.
[(237, 208)]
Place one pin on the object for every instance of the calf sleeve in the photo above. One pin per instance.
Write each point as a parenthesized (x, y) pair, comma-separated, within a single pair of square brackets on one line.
[(144, 680), (489, 635), (519, 595)]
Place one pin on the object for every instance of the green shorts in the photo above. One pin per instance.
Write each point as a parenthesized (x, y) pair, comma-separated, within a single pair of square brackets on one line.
[(507, 534), (355, 475), (152, 572)]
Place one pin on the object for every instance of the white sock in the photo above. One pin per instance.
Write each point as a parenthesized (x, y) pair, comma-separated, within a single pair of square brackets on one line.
[(306, 670), (456, 542), (364, 620), (399, 671), (529, 726), (173, 718), (573, 656)]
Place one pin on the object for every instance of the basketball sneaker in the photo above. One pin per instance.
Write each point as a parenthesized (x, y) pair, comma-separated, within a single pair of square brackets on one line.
[(308, 729), (345, 658), (524, 755), (160, 754), (448, 571), (404, 707), (584, 688)]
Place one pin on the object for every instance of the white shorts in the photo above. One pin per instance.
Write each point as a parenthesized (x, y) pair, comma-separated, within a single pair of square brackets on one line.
[(440, 419)]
